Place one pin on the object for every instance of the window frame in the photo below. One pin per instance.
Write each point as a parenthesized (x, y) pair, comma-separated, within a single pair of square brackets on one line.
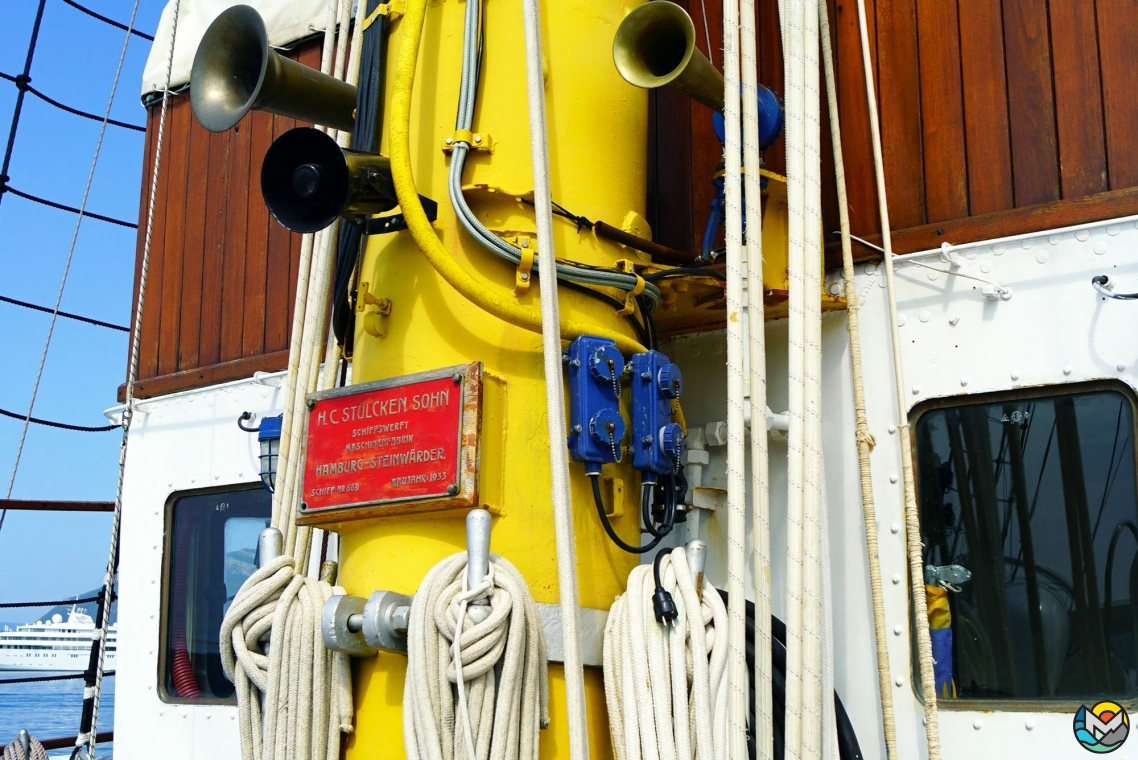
[(966, 704), (164, 592)]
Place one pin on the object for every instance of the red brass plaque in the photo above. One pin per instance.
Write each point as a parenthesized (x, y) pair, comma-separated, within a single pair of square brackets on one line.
[(393, 441)]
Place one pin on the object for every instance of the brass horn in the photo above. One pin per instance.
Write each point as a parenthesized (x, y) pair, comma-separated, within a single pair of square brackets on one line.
[(655, 46), (308, 181), (235, 71)]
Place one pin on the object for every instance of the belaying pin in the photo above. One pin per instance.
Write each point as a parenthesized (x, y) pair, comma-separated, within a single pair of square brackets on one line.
[(478, 560)]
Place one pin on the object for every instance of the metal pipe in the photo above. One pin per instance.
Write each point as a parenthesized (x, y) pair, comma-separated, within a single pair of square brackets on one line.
[(478, 559), (661, 253)]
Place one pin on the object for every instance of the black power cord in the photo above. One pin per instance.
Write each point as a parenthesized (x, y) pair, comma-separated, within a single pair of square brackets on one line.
[(667, 526)]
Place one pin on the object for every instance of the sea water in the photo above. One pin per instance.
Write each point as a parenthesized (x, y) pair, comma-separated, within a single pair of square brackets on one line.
[(50, 709)]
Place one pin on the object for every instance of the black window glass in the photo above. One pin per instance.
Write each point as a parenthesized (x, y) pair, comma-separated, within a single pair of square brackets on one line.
[(212, 550), (1035, 498)]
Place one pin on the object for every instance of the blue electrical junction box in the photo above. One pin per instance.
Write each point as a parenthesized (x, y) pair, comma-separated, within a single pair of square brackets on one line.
[(657, 442), (596, 427)]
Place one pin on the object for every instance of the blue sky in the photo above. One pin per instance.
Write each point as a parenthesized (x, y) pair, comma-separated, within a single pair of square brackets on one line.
[(47, 556)]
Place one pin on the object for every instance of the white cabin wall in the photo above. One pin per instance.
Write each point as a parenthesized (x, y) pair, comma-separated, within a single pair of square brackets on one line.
[(177, 443), (1055, 329)]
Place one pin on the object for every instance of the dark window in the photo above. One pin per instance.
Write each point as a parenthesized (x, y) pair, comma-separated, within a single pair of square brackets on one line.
[(211, 551), (1035, 497)]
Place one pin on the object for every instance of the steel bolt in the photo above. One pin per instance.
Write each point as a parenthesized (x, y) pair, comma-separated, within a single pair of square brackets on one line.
[(478, 138), (450, 141), (524, 276), (452, 489)]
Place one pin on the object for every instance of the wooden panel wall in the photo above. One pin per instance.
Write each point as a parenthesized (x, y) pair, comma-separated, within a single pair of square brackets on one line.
[(222, 272), (997, 118)]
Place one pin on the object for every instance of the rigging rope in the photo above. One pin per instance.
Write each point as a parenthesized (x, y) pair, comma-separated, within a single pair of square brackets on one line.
[(66, 314), (112, 22), (912, 524), (81, 211), (83, 600), (48, 423), (92, 693), (20, 97), (74, 236), (863, 437), (497, 665), (25, 84)]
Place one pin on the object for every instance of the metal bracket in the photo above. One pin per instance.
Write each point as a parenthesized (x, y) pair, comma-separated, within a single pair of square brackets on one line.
[(630, 297), (947, 576), (476, 140), (380, 225)]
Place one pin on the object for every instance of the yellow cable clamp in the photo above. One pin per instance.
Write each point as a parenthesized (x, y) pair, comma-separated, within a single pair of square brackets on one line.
[(625, 265), (392, 9), (476, 140), (525, 271), (420, 227)]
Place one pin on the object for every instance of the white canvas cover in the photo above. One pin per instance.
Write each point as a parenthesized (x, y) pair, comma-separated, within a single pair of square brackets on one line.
[(286, 20)]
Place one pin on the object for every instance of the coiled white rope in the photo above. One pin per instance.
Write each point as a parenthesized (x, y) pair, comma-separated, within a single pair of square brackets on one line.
[(737, 674), (912, 523), (306, 689), (554, 391), (666, 686), (476, 689), (862, 435)]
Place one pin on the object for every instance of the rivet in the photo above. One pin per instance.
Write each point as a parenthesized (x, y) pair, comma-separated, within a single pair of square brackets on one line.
[(1027, 244), (963, 381), (1015, 375), (895, 528), (1083, 236), (525, 242), (999, 249), (524, 277), (452, 489), (478, 138), (897, 630), (1120, 366), (1100, 247), (1029, 724), (216, 477), (450, 141), (896, 579), (916, 390), (457, 377), (933, 276), (193, 480), (954, 321), (899, 681), (1113, 229), (892, 429), (893, 478), (976, 724), (1054, 240), (1042, 257), (1067, 370), (151, 617), (161, 713), (925, 316), (207, 716), (900, 320), (836, 289), (985, 266)]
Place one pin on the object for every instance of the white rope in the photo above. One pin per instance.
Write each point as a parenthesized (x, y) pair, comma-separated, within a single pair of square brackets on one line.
[(132, 372), (790, 14), (760, 462), (476, 688), (912, 524), (812, 565), (862, 435), (306, 690), (738, 676), (554, 392), (666, 686)]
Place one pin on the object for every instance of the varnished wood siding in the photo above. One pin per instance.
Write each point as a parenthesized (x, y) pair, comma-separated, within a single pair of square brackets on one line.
[(995, 116), (222, 272)]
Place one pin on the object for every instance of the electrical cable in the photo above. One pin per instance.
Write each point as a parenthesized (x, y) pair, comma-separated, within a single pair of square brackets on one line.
[(23, 84), (112, 22), (464, 119), (1101, 283), (68, 315), (599, 501), (59, 425), (668, 274)]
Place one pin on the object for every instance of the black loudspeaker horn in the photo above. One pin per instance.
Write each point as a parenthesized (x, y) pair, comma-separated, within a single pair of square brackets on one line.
[(235, 71), (308, 181)]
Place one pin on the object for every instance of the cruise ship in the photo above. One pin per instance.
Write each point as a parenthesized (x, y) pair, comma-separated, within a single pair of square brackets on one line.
[(54, 644)]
